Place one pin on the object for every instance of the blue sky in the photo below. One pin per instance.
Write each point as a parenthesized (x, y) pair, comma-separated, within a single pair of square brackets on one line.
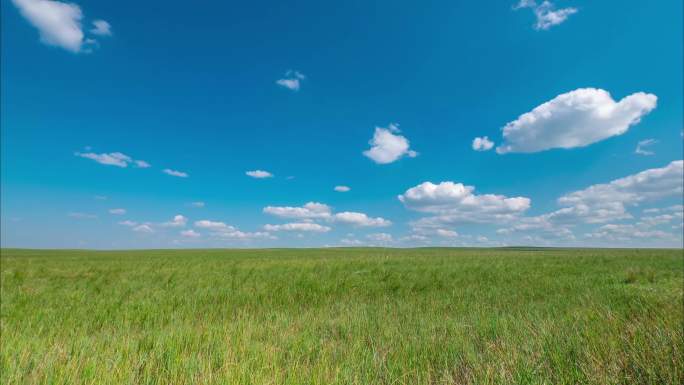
[(259, 110)]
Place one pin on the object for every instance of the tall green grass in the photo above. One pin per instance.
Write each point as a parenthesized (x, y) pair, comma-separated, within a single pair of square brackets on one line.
[(342, 316)]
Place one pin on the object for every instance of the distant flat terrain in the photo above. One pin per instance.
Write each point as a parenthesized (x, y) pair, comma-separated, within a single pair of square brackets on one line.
[(342, 316)]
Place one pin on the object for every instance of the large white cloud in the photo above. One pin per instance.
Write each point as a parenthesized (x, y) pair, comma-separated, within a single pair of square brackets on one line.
[(455, 202), (59, 24), (360, 219), (388, 146), (311, 210), (298, 226), (575, 119)]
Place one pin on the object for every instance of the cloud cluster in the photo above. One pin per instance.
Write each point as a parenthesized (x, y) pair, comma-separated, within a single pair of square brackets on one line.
[(223, 231), (575, 119), (360, 219), (388, 146), (299, 227), (457, 203), (606, 203), (312, 211)]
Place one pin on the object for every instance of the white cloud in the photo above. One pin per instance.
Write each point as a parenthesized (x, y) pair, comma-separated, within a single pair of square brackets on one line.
[(117, 159), (342, 188), (213, 226), (575, 119), (625, 233), (360, 219), (311, 210), (259, 174), (602, 203), (190, 234), (144, 228), (380, 237), (640, 150), (171, 172), (446, 233), (300, 226), (128, 223), (101, 28), (546, 13), (455, 202), (482, 144), (177, 221), (197, 204), (607, 202), (292, 80), (350, 242), (388, 146), (224, 231), (79, 215), (59, 24), (117, 211), (110, 159)]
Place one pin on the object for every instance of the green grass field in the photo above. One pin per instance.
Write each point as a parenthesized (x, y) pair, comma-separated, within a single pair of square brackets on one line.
[(342, 316)]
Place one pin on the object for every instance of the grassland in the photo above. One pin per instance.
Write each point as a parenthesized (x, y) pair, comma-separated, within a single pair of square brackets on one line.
[(342, 316)]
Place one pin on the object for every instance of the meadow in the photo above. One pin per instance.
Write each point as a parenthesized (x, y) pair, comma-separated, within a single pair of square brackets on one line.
[(342, 316)]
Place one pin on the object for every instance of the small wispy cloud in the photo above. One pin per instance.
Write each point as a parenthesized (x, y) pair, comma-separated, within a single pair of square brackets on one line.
[(640, 148), (117, 159), (177, 221), (198, 204), (342, 188), (482, 144), (176, 173), (117, 211), (546, 13), (259, 174), (190, 234), (144, 228), (80, 215), (292, 80), (101, 28)]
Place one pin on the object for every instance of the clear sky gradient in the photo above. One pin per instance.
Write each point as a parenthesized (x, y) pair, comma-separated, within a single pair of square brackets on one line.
[(247, 116)]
